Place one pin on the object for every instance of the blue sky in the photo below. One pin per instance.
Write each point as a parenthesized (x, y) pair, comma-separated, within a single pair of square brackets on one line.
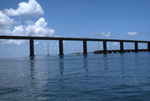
[(110, 19)]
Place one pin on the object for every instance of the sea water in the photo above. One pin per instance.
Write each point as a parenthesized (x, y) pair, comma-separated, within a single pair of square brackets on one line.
[(111, 77)]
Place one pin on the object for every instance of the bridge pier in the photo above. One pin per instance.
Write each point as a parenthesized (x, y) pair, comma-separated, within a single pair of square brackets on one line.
[(104, 47), (61, 48), (31, 48), (84, 47), (121, 47), (136, 46), (148, 46)]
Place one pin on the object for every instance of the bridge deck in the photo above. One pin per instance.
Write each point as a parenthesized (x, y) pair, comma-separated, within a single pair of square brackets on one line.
[(67, 38)]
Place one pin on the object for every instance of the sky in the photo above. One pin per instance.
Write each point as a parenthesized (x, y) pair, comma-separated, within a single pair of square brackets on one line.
[(106, 19)]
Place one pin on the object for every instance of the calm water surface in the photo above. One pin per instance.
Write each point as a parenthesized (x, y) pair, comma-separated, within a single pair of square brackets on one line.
[(111, 77)]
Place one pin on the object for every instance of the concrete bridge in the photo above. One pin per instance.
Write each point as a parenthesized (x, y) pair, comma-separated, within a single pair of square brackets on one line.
[(84, 40)]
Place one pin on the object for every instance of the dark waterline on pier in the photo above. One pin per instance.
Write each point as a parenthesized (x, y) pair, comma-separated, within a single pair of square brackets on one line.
[(111, 77)]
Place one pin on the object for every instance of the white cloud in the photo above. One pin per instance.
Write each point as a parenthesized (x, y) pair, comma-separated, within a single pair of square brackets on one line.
[(39, 29), (30, 9), (8, 26), (5, 31), (36, 43), (18, 30), (103, 34), (14, 42), (5, 24), (5, 21), (15, 31), (115, 43), (132, 33)]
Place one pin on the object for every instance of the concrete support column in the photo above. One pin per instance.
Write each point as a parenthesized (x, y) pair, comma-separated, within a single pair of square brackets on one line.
[(32, 48), (136, 46), (84, 47), (148, 46), (104, 47), (121, 47), (61, 48)]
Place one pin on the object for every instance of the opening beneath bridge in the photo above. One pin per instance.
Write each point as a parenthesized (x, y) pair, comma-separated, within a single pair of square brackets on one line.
[(142, 45), (113, 45), (14, 48), (129, 46), (71, 47), (94, 46), (45, 47)]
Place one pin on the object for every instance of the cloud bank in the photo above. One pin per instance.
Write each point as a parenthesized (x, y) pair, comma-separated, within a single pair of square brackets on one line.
[(103, 34), (5, 21), (133, 33), (30, 9), (27, 10)]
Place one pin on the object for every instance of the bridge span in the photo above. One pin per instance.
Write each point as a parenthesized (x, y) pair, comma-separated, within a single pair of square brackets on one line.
[(84, 40)]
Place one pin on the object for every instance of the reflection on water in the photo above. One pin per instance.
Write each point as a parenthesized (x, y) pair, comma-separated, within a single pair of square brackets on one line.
[(61, 65), (105, 62), (33, 91), (85, 62), (32, 72), (109, 77)]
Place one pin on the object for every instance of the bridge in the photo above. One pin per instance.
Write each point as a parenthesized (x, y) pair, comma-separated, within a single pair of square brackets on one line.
[(84, 40)]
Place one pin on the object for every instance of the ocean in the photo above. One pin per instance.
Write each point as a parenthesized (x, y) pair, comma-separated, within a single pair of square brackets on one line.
[(95, 77)]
